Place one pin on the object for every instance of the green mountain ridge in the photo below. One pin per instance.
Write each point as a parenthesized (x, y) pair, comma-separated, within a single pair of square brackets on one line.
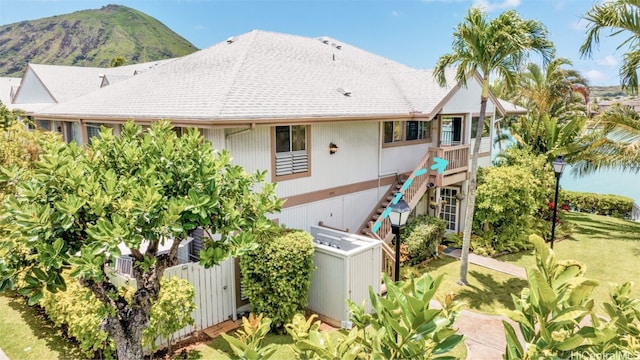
[(88, 38)]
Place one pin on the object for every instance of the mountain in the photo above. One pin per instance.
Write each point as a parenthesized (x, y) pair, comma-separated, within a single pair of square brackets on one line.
[(88, 38)]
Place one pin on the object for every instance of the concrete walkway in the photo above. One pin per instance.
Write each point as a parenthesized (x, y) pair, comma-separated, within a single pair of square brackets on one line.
[(485, 337), (490, 263), (3, 356)]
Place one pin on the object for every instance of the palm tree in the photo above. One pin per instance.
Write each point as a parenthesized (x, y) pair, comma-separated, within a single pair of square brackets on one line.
[(556, 98), (612, 140), (620, 17), (485, 47)]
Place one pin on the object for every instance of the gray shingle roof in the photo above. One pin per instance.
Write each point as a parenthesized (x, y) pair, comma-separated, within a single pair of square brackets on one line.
[(265, 75), (6, 86)]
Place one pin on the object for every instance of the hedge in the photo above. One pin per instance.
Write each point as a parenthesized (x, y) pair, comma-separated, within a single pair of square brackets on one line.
[(610, 205), (425, 233), (277, 275)]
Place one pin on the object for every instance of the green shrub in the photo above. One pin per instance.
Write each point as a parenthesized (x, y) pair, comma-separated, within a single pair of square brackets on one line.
[(505, 207), (171, 311), (424, 234), (611, 205), (79, 311), (277, 275)]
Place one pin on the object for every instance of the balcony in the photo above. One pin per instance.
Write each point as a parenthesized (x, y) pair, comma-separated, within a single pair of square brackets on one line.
[(458, 164)]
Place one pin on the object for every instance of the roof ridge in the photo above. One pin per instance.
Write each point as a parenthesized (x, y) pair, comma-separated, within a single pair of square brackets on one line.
[(238, 67)]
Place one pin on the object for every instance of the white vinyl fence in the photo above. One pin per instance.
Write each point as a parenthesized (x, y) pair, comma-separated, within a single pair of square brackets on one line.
[(214, 294)]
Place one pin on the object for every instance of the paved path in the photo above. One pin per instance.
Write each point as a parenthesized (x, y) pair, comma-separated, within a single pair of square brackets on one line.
[(3, 356), (491, 263), (485, 338)]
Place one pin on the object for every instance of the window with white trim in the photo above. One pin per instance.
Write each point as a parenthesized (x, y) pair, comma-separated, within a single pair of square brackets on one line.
[(402, 131), (291, 151)]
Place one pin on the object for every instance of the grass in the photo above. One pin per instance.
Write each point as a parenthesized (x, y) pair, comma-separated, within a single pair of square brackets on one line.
[(609, 247), (489, 291), (27, 334)]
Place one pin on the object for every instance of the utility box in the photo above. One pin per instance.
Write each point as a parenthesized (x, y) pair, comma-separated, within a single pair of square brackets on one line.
[(346, 266)]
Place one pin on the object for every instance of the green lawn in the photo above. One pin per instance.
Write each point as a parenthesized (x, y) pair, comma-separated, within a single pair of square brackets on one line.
[(609, 247), (488, 292), (25, 334)]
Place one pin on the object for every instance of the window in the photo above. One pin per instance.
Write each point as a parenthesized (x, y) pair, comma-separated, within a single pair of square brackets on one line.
[(401, 131), (474, 126), (291, 152), (450, 130), (93, 130)]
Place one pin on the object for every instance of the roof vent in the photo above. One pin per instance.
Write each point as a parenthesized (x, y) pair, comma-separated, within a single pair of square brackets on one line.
[(336, 46), (325, 41), (231, 40), (344, 92)]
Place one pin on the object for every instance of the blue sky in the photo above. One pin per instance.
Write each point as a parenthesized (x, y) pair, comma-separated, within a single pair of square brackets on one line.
[(412, 32)]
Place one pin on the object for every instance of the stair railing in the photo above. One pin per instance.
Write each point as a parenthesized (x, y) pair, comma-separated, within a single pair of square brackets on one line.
[(413, 188)]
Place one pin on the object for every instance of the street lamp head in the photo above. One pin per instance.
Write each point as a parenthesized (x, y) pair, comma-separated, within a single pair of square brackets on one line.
[(559, 165), (399, 213)]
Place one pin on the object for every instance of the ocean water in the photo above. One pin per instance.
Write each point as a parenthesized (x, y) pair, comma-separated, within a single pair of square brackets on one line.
[(616, 182)]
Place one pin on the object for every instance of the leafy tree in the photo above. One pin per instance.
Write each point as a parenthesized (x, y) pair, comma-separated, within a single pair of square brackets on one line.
[(619, 17), (484, 46), (139, 190)]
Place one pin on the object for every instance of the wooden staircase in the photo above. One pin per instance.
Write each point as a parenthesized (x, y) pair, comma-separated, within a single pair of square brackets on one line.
[(412, 186)]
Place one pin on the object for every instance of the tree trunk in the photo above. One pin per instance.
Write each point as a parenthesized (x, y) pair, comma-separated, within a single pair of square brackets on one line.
[(471, 190), (128, 336), (129, 320)]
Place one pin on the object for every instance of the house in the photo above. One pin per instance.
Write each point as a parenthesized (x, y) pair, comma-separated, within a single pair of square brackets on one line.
[(277, 102), (338, 128)]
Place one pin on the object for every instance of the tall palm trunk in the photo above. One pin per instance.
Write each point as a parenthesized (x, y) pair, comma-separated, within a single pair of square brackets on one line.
[(471, 189)]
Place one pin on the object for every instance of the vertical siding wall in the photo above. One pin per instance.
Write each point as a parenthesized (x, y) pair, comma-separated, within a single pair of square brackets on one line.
[(357, 160), (467, 101), (214, 294)]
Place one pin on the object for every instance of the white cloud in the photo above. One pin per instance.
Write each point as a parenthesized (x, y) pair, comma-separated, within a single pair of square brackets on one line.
[(608, 60), (395, 13), (489, 6), (597, 77)]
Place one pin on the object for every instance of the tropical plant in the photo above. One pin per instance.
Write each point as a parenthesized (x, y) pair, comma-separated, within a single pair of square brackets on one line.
[(556, 98), (311, 343), (619, 17), (487, 47), (141, 189), (611, 141), (248, 341), (404, 325), (551, 312)]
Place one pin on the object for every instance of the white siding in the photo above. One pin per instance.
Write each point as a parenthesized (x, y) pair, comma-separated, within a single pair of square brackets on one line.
[(32, 91), (467, 100), (216, 137), (343, 212), (401, 159)]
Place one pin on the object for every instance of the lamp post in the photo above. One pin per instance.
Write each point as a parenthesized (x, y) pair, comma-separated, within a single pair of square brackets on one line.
[(558, 168), (398, 218)]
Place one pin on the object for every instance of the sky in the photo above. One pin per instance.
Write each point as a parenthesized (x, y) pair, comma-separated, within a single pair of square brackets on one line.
[(412, 32)]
